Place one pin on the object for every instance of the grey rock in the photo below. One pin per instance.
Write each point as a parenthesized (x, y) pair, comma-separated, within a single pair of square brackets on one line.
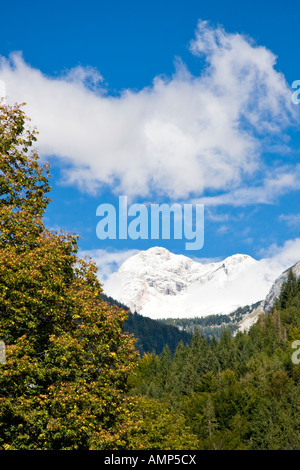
[(276, 287)]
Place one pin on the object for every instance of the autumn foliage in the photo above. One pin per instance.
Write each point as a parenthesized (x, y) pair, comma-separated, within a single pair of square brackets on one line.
[(63, 385)]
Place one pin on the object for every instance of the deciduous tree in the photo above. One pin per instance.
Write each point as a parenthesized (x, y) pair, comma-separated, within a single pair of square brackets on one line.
[(63, 385)]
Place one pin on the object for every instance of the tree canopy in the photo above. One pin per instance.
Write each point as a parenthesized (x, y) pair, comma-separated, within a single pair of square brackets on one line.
[(240, 392), (63, 385), (23, 181)]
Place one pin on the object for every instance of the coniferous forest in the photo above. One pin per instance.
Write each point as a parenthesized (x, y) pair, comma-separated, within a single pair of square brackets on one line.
[(237, 393), (75, 378)]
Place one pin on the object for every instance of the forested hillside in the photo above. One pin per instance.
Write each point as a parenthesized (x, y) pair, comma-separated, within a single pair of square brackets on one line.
[(240, 392), (211, 325), (150, 335), (153, 335)]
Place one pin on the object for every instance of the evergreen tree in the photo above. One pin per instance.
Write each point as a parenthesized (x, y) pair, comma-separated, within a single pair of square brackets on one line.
[(288, 291), (242, 391)]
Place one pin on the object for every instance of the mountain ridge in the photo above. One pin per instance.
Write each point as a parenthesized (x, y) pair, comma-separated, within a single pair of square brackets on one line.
[(159, 284)]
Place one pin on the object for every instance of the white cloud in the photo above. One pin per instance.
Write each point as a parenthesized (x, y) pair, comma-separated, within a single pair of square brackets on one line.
[(178, 136), (2, 89), (107, 262), (283, 256), (277, 183), (290, 219), (88, 76)]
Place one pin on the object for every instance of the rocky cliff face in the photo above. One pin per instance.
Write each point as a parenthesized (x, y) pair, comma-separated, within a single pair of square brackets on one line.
[(276, 287)]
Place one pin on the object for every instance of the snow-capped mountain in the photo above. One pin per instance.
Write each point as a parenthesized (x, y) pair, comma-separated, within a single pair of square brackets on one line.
[(159, 284)]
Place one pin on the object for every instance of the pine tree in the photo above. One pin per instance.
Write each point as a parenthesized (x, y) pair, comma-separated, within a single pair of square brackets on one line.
[(164, 368), (210, 419), (288, 291)]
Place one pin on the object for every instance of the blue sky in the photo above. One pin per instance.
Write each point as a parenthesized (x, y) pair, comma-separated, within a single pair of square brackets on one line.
[(170, 101)]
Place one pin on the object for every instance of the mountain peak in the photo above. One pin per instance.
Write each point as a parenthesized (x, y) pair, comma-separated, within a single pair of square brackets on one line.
[(160, 284), (157, 250)]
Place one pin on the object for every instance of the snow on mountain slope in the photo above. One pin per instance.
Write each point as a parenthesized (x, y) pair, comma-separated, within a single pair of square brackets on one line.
[(159, 284)]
